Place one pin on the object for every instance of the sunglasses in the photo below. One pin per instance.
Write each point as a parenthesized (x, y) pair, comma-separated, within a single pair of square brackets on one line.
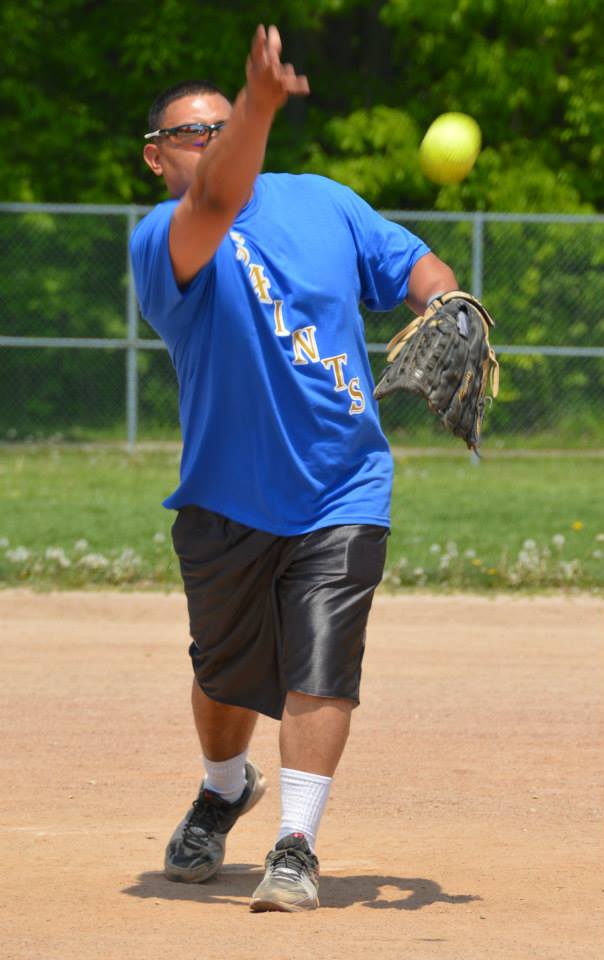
[(197, 134)]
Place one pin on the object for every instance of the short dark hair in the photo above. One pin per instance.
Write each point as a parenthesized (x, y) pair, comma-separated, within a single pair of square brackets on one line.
[(185, 89)]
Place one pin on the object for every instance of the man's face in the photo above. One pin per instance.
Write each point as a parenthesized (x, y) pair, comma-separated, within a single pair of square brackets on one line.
[(176, 162)]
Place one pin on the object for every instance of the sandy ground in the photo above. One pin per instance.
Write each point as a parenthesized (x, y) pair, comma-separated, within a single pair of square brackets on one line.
[(464, 823)]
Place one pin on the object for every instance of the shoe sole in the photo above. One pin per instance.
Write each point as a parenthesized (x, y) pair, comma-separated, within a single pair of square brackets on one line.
[(200, 876), (265, 906)]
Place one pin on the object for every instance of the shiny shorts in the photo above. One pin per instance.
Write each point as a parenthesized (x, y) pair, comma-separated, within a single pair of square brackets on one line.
[(270, 614)]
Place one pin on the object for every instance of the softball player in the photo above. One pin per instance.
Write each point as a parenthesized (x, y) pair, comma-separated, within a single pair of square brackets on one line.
[(253, 281)]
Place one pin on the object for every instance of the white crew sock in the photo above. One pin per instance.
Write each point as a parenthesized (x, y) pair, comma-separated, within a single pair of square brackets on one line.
[(303, 799), (226, 777)]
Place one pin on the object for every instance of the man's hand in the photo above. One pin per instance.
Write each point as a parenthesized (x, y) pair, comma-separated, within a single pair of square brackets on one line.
[(270, 82)]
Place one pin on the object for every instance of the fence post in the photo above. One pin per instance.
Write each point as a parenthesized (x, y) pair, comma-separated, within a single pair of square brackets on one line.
[(131, 352), (477, 255)]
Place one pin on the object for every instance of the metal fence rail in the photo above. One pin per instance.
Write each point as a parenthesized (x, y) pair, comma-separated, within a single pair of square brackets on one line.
[(66, 289)]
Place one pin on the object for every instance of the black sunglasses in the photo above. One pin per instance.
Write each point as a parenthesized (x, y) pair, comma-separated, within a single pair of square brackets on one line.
[(197, 133)]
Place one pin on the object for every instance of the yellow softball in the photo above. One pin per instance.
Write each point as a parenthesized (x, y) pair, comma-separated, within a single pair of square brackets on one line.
[(450, 148)]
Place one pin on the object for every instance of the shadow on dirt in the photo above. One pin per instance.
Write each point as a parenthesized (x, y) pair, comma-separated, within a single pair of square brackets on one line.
[(237, 881)]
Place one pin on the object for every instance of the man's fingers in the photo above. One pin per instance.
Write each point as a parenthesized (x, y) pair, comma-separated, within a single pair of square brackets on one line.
[(297, 86), (265, 61), (274, 44), (258, 50)]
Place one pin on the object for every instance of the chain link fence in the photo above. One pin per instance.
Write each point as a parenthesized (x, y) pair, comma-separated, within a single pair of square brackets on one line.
[(77, 362)]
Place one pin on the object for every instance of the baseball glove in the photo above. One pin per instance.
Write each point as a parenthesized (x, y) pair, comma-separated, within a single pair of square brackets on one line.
[(445, 356)]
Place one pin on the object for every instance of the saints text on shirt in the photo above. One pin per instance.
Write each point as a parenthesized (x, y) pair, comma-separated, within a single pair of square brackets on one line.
[(304, 342)]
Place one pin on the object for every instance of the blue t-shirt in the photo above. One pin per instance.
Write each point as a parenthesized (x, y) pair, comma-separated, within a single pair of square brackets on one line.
[(280, 428)]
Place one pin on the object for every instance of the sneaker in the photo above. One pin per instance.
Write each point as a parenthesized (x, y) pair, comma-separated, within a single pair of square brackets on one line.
[(196, 849), (291, 879)]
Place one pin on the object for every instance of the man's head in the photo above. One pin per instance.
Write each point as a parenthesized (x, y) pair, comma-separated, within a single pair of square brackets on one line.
[(172, 150)]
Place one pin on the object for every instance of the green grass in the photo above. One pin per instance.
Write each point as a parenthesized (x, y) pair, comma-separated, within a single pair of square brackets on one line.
[(491, 509), (569, 433), (443, 508)]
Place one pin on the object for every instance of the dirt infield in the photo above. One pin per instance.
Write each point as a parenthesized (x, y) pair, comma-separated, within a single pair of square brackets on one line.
[(464, 822)]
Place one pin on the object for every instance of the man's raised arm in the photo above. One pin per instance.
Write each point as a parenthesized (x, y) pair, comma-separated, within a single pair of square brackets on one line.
[(224, 176)]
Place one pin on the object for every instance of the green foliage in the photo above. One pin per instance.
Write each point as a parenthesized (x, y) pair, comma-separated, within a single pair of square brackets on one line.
[(375, 154), (79, 75), (530, 73)]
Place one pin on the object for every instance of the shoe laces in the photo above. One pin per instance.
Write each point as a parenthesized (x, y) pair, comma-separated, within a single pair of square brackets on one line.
[(289, 864), (207, 815)]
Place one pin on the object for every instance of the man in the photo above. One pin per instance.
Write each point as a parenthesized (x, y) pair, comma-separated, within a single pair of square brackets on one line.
[(254, 283)]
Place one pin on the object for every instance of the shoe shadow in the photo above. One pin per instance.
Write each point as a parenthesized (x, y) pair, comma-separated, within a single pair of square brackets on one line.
[(237, 881), (233, 884), (380, 892)]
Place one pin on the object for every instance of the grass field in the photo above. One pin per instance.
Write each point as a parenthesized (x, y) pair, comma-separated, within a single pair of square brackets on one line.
[(73, 517)]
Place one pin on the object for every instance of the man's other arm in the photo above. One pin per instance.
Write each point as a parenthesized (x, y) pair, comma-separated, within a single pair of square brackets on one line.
[(428, 277)]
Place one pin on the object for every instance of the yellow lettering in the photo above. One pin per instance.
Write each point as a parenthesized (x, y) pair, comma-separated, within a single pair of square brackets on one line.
[(304, 342), (336, 364), (260, 283), (242, 252), (358, 398), (280, 328)]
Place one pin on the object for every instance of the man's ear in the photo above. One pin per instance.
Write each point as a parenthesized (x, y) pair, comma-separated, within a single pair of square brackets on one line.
[(152, 158)]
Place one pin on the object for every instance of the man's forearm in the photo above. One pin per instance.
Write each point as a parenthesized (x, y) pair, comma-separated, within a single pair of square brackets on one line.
[(429, 276), (226, 172)]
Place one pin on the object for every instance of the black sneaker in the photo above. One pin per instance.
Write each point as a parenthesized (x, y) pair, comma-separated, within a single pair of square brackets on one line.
[(291, 879), (196, 849)]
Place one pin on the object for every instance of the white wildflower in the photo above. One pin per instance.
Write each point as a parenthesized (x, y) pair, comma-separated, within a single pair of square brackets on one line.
[(452, 549), (18, 555), (4, 542), (159, 537), (558, 540), (129, 556), (600, 537), (126, 565), (529, 545), (93, 562), (443, 563), (469, 554), (435, 548), (597, 554), (57, 555), (418, 572), (80, 546), (570, 570)]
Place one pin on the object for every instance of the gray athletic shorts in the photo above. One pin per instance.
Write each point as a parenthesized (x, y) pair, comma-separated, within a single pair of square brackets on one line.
[(270, 614)]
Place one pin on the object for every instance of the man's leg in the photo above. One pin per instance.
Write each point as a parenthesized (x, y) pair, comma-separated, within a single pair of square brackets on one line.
[(313, 733), (231, 787), (312, 738), (224, 731)]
